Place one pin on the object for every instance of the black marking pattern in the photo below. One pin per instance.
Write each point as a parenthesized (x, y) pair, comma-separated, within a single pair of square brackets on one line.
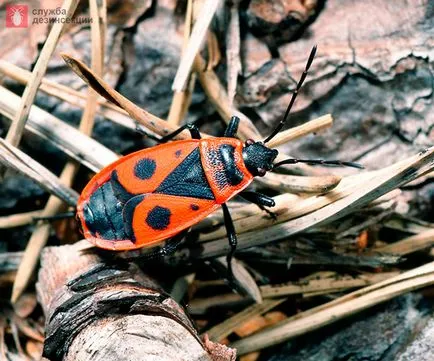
[(158, 218), (145, 168), (187, 179), (234, 175), (128, 214), (226, 170), (110, 209), (103, 214), (178, 153), (118, 190)]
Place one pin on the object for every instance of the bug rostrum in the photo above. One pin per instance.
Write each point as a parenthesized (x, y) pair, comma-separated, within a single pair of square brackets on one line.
[(157, 194)]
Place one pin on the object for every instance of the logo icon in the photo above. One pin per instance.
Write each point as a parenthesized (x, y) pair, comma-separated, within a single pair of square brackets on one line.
[(17, 16)]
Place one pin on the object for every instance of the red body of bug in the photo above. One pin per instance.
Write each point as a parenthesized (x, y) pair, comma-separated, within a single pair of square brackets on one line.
[(151, 195)]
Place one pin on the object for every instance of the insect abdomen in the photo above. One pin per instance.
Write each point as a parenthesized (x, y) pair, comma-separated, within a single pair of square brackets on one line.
[(102, 213)]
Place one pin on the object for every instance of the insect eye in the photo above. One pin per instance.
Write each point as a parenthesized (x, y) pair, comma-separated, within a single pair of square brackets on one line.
[(250, 142), (261, 172)]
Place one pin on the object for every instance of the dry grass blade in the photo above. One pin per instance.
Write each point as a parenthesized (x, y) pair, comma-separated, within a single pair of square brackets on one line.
[(302, 184), (180, 103), (288, 206), (150, 121), (408, 224), (97, 30), (245, 211), (181, 99), (387, 200), (362, 190), (180, 287), (324, 286), (409, 245), (18, 124), (75, 144), (71, 96), (243, 281), (291, 206), (52, 88), (213, 49), (200, 306), (209, 80), (216, 94), (338, 309), (233, 50), (251, 210), (36, 243), (40, 235), (219, 98), (195, 42), (3, 347), (312, 126), (371, 221), (19, 219), (98, 9), (251, 217), (15, 159), (225, 328)]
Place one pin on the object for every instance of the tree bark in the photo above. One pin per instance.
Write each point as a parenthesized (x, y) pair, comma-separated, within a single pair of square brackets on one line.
[(373, 72), (102, 310)]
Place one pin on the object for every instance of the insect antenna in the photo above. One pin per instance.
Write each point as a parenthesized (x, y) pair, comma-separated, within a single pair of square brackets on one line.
[(294, 96), (318, 161)]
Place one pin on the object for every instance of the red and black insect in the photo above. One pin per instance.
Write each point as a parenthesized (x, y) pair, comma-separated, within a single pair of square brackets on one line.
[(158, 193)]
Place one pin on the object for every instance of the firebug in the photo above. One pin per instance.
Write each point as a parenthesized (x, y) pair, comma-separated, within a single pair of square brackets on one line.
[(157, 194)]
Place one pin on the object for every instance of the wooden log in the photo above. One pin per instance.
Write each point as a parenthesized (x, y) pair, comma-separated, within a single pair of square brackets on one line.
[(104, 310)]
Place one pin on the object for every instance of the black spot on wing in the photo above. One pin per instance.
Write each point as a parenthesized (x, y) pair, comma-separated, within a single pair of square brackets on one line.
[(194, 207), (187, 179), (178, 153), (145, 168), (158, 218)]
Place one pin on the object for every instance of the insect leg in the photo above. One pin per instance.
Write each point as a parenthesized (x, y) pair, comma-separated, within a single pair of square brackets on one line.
[(155, 254), (142, 130), (194, 131), (258, 198), (172, 244), (55, 217), (232, 127), (166, 250), (192, 127), (261, 200), (232, 237)]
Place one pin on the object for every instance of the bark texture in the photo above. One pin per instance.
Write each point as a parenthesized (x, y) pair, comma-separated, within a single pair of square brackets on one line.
[(373, 72), (101, 310)]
